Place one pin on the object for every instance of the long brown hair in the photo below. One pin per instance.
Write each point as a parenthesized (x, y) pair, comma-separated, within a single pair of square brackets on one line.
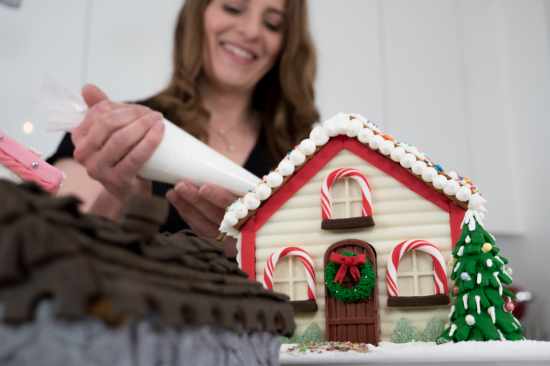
[(283, 98)]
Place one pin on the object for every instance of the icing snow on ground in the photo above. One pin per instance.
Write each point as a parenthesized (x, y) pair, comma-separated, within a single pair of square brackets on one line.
[(522, 353)]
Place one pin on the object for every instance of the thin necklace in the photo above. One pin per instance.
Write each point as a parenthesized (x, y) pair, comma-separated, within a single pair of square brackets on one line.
[(222, 133)]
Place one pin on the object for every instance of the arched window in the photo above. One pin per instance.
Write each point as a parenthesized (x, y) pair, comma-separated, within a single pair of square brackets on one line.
[(295, 277), (416, 283), (347, 197)]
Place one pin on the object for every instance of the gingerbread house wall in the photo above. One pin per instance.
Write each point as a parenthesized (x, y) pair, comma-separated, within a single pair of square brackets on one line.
[(399, 213)]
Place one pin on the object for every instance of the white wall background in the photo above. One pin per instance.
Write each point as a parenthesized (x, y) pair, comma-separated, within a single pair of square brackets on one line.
[(467, 81)]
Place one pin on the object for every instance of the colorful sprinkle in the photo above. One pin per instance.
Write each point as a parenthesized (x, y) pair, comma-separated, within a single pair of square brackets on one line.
[(320, 347)]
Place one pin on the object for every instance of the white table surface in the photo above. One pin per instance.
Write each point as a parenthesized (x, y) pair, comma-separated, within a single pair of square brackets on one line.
[(523, 353)]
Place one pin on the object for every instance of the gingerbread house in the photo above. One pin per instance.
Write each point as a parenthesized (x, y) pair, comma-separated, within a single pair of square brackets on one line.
[(356, 228)]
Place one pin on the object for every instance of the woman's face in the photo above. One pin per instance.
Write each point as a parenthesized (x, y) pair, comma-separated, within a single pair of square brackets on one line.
[(243, 41)]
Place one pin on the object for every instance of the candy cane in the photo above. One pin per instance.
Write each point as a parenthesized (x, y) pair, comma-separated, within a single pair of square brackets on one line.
[(326, 200), (440, 274), (302, 256)]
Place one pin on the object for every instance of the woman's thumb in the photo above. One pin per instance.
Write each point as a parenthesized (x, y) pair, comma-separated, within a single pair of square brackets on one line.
[(93, 95)]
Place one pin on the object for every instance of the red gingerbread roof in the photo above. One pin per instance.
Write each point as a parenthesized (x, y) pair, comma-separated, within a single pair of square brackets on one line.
[(447, 191)]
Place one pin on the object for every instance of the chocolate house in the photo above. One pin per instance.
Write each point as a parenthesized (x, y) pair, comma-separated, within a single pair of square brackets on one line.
[(78, 289)]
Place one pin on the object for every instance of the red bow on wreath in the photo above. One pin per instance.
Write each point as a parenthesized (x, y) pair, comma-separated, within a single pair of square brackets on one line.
[(345, 262)]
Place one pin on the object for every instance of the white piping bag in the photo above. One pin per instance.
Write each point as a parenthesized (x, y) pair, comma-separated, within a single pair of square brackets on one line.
[(179, 155)]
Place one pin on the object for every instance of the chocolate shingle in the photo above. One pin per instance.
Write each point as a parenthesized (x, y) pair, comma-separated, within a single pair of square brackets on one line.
[(91, 266)]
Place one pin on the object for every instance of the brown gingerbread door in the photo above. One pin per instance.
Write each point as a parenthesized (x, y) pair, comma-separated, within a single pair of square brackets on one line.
[(352, 321)]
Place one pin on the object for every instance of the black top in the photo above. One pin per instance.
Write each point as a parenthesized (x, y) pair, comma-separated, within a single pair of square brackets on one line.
[(259, 162)]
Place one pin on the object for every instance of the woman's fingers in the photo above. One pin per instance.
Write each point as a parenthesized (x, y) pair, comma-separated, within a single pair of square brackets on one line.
[(93, 95), (115, 140), (132, 162), (192, 194), (106, 126), (117, 176), (91, 118), (121, 142), (200, 224), (202, 208), (97, 102), (217, 195)]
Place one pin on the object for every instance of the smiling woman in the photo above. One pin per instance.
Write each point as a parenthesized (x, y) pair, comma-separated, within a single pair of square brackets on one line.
[(242, 81), (233, 58)]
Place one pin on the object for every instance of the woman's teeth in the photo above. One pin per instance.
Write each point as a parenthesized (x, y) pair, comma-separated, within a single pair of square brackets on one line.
[(237, 51)]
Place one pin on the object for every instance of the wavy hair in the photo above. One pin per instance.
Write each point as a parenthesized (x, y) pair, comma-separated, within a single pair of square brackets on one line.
[(283, 98)]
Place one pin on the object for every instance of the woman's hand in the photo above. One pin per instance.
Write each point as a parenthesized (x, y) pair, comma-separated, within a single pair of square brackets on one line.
[(201, 207), (115, 140)]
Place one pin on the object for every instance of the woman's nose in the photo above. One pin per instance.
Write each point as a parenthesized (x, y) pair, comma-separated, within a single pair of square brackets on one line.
[(250, 26)]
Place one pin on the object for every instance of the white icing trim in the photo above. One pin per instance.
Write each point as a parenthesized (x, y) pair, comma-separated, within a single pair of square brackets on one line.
[(251, 201), (239, 251), (365, 135), (239, 209), (451, 312), (285, 167), (478, 303), (495, 275), (500, 260), (440, 181), (307, 147), (492, 313), (297, 157), (354, 127), (230, 218), (262, 191), (456, 266), (408, 160), (451, 187), (274, 179), (504, 273), (378, 141), (397, 154), (429, 174), (453, 330), (464, 194), (387, 147), (319, 136), (419, 166)]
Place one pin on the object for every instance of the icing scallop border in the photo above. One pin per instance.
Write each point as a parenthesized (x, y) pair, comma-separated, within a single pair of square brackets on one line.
[(352, 125)]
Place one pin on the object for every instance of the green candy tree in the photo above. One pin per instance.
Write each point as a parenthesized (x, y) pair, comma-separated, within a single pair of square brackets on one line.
[(482, 306)]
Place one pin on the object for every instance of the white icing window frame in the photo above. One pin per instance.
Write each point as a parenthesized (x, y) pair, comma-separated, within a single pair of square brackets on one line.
[(330, 201), (294, 256), (438, 274), (348, 199), (415, 273)]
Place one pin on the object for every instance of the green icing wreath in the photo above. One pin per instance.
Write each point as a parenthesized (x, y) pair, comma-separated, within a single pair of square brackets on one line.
[(361, 291)]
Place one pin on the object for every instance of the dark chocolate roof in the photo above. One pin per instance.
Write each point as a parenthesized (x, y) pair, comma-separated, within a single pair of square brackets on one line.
[(91, 266)]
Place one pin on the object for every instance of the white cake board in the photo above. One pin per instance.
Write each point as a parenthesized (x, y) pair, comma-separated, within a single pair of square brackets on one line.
[(523, 353)]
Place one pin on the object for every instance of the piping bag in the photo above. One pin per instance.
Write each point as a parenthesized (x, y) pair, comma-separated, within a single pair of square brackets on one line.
[(179, 155)]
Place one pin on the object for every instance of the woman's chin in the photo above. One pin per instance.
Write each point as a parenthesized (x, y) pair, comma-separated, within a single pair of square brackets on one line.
[(235, 84)]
